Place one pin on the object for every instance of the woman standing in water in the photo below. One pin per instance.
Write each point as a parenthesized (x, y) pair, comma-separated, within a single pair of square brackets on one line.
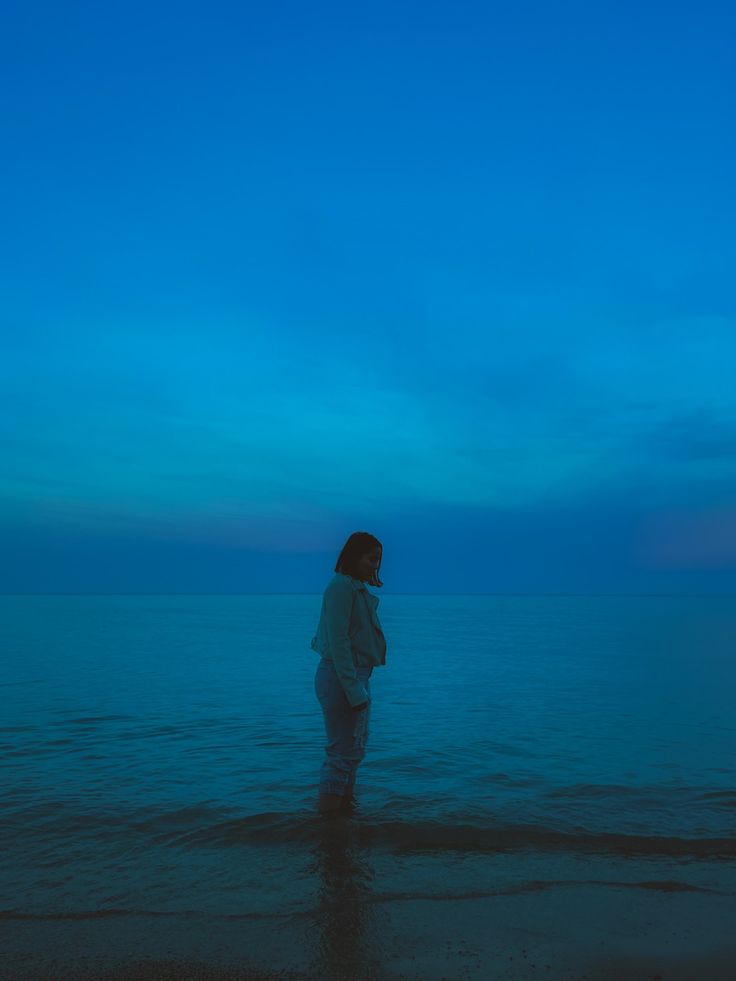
[(351, 643)]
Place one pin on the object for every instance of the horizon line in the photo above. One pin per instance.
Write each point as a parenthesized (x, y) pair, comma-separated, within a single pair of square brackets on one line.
[(319, 593)]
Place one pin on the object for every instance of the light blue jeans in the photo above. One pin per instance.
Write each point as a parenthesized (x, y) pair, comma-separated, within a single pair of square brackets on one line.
[(346, 729)]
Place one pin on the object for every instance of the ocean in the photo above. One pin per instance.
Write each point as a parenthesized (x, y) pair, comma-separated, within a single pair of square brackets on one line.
[(161, 755)]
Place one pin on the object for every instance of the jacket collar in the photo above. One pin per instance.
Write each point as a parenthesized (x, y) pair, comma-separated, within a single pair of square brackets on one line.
[(355, 583)]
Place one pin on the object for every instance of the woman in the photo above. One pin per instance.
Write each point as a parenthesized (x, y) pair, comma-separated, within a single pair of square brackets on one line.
[(351, 643)]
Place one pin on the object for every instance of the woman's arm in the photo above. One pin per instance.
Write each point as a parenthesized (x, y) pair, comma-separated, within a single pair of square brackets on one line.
[(338, 605)]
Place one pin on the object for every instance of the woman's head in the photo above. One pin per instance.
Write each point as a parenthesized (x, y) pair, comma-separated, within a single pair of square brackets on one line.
[(361, 558)]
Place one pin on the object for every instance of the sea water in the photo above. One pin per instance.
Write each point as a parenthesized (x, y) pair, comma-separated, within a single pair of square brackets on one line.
[(161, 754)]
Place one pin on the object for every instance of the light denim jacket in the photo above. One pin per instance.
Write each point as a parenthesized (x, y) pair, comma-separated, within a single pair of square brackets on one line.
[(349, 633)]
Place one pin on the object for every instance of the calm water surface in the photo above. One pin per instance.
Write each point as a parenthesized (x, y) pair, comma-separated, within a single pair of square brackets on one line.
[(163, 752)]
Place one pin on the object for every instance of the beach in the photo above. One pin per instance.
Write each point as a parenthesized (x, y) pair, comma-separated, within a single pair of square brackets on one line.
[(600, 930)]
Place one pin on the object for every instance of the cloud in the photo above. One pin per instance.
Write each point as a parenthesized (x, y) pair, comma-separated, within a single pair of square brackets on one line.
[(698, 435), (690, 539)]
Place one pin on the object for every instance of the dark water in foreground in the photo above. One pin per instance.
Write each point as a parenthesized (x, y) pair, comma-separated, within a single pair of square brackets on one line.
[(160, 755)]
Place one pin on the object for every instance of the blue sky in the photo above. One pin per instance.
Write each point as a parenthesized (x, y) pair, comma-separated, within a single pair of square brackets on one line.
[(457, 274)]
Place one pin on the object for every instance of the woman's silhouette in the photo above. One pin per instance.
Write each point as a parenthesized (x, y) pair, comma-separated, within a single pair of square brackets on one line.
[(351, 643)]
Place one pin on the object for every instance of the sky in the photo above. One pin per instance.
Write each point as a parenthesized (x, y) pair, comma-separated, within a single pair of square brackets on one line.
[(456, 274)]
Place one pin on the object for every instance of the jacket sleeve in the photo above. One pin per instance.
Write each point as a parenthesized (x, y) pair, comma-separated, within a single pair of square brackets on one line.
[(338, 605)]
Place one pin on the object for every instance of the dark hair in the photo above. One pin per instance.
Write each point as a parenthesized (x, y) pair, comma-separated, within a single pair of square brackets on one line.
[(358, 544)]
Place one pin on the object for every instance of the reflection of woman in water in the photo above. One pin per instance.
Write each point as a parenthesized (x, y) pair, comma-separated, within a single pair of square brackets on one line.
[(350, 641)]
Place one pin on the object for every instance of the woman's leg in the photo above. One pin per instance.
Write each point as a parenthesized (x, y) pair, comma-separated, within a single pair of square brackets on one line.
[(361, 739), (346, 732)]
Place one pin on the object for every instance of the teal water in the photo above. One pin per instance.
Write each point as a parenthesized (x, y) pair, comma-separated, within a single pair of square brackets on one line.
[(163, 752)]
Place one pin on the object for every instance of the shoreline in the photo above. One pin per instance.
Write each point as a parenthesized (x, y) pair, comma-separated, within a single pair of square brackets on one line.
[(571, 932)]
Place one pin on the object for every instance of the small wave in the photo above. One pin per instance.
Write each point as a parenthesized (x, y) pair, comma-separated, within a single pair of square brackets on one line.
[(161, 820), (92, 720), (507, 780), (102, 914), (442, 895), (97, 914), (593, 790), (520, 888), (721, 798), (435, 837)]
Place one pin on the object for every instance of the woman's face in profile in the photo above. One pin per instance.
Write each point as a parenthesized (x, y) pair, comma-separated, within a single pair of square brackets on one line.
[(368, 563)]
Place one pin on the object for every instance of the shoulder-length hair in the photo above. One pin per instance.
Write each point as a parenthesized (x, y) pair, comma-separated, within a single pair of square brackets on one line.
[(358, 544)]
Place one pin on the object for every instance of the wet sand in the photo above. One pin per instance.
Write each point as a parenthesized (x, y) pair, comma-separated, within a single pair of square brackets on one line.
[(600, 931)]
